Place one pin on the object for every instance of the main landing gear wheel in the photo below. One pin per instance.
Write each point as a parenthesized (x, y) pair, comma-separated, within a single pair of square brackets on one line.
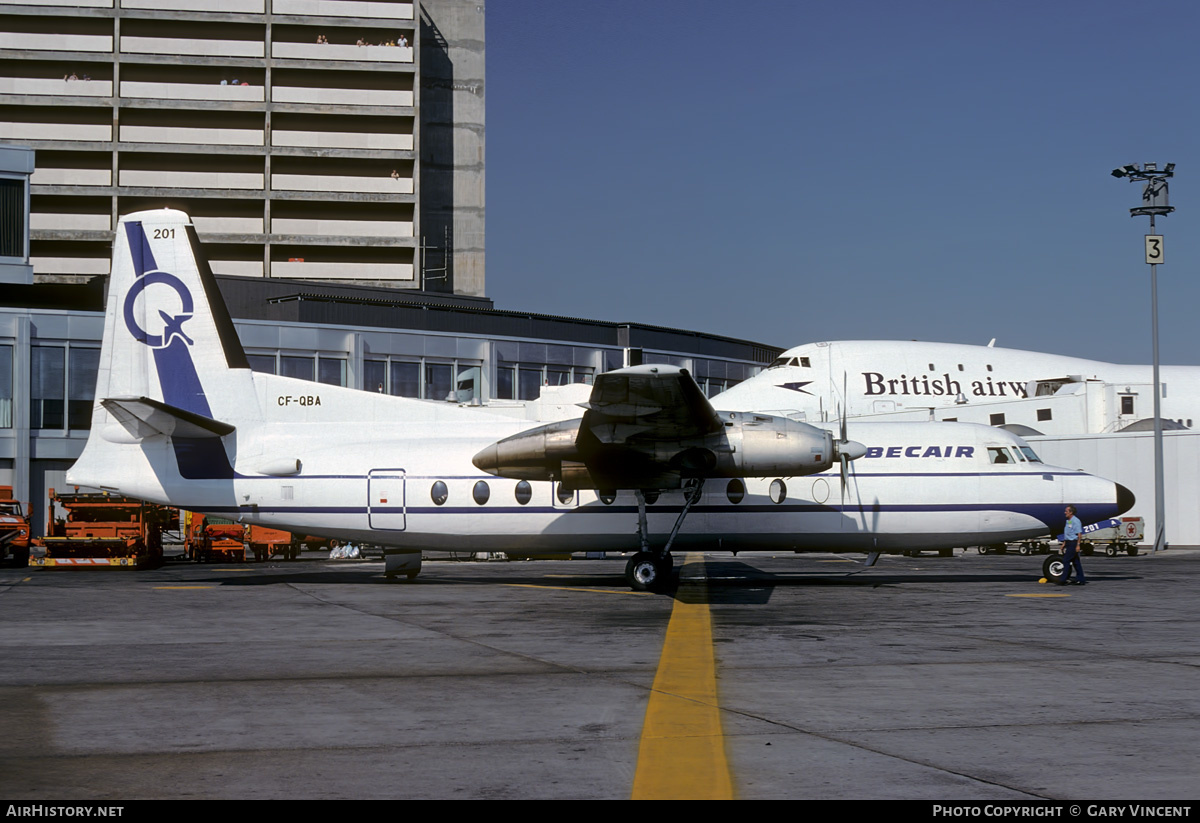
[(647, 572), (1053, 569)]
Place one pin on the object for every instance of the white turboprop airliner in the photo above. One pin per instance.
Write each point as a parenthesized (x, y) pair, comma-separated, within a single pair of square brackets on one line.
[(909, 379), (180, 419)]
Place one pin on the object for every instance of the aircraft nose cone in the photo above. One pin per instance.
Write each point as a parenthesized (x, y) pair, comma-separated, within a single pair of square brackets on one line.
[(1125, 499)]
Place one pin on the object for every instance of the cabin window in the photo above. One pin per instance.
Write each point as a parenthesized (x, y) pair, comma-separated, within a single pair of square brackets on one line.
[(735, 491), (481, 492), (439, 494), (607, 496), (778, 491), (1044, 414), (960, 368), (989, 365), (651, 496), (931, 368), (565, 495), (523, 492)]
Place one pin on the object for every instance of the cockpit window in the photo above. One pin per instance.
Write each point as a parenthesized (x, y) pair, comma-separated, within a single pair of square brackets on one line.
[(1000, 455), (789, 361), (1028, 452)]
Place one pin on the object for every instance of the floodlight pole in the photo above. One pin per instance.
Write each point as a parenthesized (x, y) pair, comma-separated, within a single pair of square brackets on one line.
[(1160, 526), (1154, 199)]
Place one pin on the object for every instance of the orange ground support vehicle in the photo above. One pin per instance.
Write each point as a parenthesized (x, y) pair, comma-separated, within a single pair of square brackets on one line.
[(14, 528), (266, 542), (103, 530), (215, 539)]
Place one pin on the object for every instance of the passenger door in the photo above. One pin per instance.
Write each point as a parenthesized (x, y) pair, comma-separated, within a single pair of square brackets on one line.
[(385, 499)]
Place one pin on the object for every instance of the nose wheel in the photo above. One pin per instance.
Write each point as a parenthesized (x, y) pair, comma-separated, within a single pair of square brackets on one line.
[(649, 572)]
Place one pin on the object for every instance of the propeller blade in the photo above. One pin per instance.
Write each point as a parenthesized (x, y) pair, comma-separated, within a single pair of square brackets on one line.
[(845, 471)]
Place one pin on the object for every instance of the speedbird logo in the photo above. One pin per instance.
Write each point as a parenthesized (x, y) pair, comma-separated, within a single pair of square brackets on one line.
[(172, 324)]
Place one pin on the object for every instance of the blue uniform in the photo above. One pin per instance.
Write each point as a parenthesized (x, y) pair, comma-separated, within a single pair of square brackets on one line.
[(1071, 550)]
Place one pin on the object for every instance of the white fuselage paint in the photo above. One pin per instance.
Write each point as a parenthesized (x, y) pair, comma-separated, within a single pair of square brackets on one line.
[(362, 466)]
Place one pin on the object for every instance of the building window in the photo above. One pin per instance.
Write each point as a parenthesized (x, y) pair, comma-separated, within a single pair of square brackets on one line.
[(264, 363), (406, 379), (81, 386), (6, 387), (439, 381), (331, 371), (12, 218), (47, 386), (375, 376), (529, 386), (996, 420), (1044, 414), (506, 381), (1126, 404), (300, 368)]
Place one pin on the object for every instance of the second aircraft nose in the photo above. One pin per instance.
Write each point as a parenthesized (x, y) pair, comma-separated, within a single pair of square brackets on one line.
[(1125, 499)]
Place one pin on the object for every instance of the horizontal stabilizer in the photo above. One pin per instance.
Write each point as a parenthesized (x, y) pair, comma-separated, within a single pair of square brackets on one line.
[(138, 413)]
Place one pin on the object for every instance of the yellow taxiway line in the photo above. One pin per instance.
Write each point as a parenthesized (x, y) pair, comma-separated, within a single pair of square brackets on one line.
[(682, 751)]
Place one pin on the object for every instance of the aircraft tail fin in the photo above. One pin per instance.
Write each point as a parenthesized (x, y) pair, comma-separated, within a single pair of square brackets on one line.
[(171, 366), (168, 337)]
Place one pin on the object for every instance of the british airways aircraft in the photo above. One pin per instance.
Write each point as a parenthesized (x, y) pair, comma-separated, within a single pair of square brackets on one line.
[(180, 419), (915, 380)]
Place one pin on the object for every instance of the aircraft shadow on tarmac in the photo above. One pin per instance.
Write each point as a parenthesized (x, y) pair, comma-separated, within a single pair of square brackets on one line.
[(727, 581)]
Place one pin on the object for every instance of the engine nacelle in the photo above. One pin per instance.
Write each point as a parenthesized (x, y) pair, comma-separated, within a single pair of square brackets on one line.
[(768, 446), (747, 445)]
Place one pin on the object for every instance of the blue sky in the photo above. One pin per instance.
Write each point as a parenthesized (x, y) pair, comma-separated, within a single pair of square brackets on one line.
[(788, 172)]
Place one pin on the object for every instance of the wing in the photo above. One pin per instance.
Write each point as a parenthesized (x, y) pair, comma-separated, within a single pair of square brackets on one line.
[(654, 402)]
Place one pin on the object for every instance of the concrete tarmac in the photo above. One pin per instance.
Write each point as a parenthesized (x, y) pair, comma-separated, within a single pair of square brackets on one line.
[(926, 678)]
